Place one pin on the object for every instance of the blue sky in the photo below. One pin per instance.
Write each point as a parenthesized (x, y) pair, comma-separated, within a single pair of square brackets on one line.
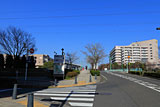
[(72, 24)]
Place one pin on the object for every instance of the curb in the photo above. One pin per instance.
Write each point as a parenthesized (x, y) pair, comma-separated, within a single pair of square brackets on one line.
[(73, 85)]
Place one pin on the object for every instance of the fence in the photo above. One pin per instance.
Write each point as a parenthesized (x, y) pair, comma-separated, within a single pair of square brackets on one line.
[(125, 70)]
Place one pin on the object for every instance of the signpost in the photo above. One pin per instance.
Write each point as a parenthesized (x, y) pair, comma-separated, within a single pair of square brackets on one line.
[(59, 65), (31, 51)]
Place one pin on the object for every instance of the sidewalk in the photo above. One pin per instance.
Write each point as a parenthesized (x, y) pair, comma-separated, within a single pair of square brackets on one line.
[(20, 102), (82, 79)]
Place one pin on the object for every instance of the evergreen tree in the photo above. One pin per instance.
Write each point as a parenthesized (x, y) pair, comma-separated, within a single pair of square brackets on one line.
[(1, 61), (23, 62), (32, 62), (17, 62), (9, 61)]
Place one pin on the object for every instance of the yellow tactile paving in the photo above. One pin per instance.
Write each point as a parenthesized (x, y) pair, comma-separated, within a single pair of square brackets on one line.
[(36, 103), (80, 83)]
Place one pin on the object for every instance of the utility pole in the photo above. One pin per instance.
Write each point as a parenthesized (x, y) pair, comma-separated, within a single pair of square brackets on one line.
[(110, 62), (122, 64), (128, 67)]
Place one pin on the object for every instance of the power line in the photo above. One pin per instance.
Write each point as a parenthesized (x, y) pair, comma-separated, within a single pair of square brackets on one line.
[(72, 16), (56, 10), (82, 25)]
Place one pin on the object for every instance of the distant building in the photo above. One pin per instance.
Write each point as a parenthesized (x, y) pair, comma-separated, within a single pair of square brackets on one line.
[(144, 51), (41, 59)]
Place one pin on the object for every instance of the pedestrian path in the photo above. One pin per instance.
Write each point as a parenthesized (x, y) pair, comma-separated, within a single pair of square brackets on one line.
[(83, 79), (82, 96)]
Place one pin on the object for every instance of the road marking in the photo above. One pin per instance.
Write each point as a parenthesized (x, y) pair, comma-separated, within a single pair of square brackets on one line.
[(7, 90), (104, 77), (140, 82), (85, 90), (67, 92), (73, 99), (65, 95), (81, 104)]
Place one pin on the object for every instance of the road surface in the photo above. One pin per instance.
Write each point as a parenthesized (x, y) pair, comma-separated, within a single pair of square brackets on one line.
[(126, 90)]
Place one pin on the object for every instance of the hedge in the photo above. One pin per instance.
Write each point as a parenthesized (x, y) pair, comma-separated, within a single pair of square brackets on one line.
[(149, 74), (93, 72), (135, 72), (72, 73)]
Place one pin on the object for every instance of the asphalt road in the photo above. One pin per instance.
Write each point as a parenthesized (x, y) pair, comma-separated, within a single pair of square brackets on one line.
[(125, 90)]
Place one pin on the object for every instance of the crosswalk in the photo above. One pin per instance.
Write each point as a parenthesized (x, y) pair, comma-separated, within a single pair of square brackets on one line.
[(82, 96)]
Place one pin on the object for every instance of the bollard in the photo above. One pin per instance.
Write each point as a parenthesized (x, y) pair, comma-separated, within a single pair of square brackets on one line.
[(55, 82), (14, 94), (95, 76), (75, 79), (30, 100), (90, 79)]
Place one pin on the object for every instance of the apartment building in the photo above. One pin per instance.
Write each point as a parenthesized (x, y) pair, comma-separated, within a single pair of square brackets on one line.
[(143, 51), (41, 59)]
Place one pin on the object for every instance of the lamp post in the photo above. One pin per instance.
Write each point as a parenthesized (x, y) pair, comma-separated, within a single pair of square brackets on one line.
[(62, 51)]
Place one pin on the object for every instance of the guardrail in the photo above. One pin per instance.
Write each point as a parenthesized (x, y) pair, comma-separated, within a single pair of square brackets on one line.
[(124, 70)]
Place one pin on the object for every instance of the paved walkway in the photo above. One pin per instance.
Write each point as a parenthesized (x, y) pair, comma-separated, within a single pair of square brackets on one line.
[(20, 102), (83, 79)]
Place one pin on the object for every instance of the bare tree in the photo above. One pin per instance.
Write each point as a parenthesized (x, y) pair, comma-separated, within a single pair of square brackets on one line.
[(159, 52), (72, 57), (15, 41), (94, 54)]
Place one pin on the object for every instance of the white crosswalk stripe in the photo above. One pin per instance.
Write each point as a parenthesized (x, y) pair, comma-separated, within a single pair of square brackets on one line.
[(81, 104), (73, 99), (76, 96), (65, 95)]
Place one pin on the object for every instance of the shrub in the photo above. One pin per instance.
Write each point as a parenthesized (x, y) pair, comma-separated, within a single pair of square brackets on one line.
[(77, 71), (135, 72), (71, 74), (152, 74), (93, 72)]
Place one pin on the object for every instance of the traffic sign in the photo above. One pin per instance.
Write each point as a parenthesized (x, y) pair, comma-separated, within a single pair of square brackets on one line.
[(31, 50)]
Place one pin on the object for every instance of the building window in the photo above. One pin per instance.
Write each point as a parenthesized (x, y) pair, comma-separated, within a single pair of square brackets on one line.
[(151, 55), (151, 58), (150, 47), (150, 44)]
